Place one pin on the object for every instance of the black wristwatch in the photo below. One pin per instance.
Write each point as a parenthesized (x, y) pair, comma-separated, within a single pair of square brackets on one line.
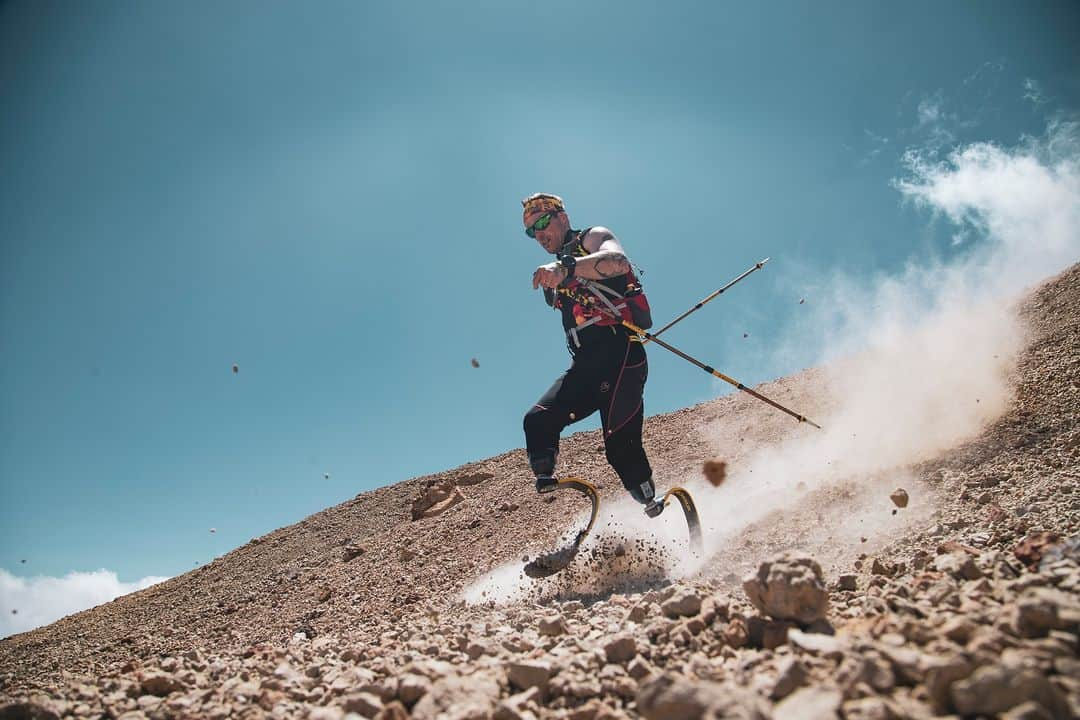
[(569, 262)]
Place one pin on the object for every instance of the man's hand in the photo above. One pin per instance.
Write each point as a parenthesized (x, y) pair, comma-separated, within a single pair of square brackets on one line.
[(549, 275)]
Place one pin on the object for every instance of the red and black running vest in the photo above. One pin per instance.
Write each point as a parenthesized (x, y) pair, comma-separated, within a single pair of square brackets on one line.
[(585, 308)]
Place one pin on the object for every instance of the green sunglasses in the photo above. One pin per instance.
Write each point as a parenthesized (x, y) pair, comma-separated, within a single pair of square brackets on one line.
[(541, 222)]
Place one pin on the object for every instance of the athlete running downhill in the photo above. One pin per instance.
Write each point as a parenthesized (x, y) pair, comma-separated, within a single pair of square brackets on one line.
[(591, 281)]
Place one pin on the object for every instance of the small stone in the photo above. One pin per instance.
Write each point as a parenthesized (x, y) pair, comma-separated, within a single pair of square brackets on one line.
[(960, 565), (847, 582), (940, 675), (530, 674), (365, 703), (671, 697), (684, 603), (160, 684), (899, 497), (882, 567), (869, 708), (715, 471), (552, 626), (393, 711), (736, 634), (459, 697), (411, 688), (639, 612), (352, 551), (620, 649), (958, 629), (824, 645), (791, 675), (1030, 710), (640, 668)]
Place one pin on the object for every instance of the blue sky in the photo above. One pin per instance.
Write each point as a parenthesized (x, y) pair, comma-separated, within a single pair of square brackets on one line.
[(328, 196)]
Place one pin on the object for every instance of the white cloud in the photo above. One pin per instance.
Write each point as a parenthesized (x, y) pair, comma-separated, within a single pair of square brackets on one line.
[(987, 68), (1033, 93), (935, 124), (930, 111), (28, 603)]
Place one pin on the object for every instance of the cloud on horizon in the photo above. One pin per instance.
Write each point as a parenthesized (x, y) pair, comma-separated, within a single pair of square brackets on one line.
[(28, 603)]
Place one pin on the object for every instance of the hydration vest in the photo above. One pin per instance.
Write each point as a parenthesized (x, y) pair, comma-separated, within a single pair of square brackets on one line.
[(622, 296)]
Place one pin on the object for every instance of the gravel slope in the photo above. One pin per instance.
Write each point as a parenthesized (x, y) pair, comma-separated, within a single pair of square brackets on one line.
[(962, 602)]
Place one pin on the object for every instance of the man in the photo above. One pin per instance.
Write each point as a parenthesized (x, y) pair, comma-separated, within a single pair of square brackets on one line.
[(591, 283)]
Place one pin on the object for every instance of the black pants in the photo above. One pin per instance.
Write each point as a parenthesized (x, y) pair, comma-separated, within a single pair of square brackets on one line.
[(608, 374)]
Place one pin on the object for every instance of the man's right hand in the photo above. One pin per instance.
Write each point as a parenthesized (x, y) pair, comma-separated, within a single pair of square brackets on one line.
[(549, 275)]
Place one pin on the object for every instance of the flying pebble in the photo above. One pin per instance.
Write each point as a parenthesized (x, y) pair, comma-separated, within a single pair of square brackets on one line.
[(235, 368), (475, 363), (326, 476), (213, 530), (715, 471), (802, 300)]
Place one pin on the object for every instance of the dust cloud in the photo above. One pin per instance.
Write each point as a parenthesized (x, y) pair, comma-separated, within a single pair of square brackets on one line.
[(917, 362)]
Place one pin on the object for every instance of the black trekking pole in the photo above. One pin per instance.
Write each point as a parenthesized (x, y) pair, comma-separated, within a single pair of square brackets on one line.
[(756, 266), (711, 370)]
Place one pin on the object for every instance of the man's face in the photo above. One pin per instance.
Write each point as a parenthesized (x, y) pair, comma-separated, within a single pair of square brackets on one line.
[(551, 237)]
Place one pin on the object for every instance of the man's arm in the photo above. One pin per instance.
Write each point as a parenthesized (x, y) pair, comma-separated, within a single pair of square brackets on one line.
[(606, 258)]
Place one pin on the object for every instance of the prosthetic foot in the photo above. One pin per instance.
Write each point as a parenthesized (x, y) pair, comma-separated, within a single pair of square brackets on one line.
[(654, 507), (546, 484)]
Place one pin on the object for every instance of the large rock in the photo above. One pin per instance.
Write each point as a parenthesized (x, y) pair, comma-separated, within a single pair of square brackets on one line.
[(437, 496), (684, 603), (789, 587), (1040, 610), (672, 697), (161, 684), (26, 711), (458, 698), (810, 703), (993, 689), (1031, 549), (529, 674)]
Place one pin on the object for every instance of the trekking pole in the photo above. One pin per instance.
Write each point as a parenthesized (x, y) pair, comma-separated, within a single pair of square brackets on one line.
[(712, 371), (756, 266)]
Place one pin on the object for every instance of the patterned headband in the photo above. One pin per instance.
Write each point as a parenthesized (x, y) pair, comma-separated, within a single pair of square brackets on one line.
[(542, 202)]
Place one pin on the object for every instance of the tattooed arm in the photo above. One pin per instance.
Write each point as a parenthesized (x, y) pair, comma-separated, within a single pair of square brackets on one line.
[(606, 258)]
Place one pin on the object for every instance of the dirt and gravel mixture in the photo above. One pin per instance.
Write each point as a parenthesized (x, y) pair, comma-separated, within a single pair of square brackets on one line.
[(964, 601)]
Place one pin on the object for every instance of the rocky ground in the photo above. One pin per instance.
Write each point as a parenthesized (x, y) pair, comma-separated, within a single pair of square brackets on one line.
[(965, 605)]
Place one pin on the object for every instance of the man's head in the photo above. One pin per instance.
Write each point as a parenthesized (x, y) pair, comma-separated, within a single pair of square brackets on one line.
[(545, 219)]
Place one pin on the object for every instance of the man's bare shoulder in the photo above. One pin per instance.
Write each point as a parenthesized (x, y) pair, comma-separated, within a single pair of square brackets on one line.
[(597, 236)]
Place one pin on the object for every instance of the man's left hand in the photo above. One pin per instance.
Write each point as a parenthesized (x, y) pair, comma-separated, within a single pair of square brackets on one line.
[(549, 275)]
